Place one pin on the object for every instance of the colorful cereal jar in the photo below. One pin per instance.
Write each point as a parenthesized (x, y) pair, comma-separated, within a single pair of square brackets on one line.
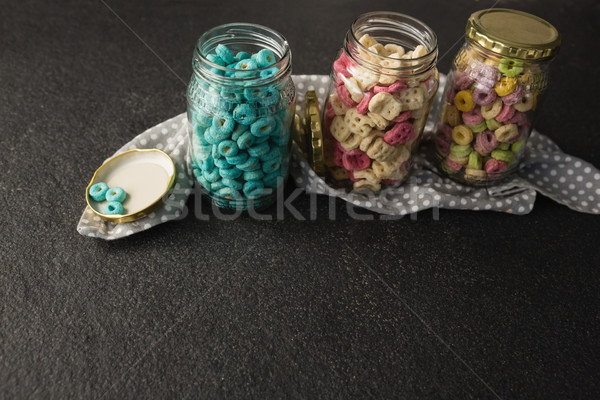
[(241, 102), (493, 92), (382, 85)]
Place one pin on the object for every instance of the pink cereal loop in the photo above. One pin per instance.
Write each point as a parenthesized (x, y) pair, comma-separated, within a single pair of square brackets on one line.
[(338, 154), (351, 176), (493, 166), (344, 94), (400, 133), (363, 106), (506, 113), (453, 165), (355, 160), (403, 116), (329, 111), (394, 87), (486, 141), (472, 117)]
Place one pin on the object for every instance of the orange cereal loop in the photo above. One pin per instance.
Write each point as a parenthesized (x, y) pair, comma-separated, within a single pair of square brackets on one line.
[(461, 134), (505, 86), (464, 101)]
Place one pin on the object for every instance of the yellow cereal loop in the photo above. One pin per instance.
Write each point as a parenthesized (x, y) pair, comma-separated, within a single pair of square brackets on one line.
[(461, 134), (505, 86), (527, 102), (491, 111), (464, 101), (451, 115)]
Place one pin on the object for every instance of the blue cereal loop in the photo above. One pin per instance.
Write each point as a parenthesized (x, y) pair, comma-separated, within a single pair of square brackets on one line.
[(224, 53), (215, 59), (207, 164), (211, 175), (232, 95), (271, 180), (251, 164), (264, 58), (231, 173), (262, 139), (253, 93), (244, 114), (98, 191), (271, 166), (116, 194), (228, 148), (263, 126), (259, 149), (216, 185), (208, 137), (222, 126), (272, 154), (228, 193), (203, 119), (253, 175), (238, 131), (202, 181), (245, 140), (221, 163), (242, 55), (270, 97), (232, 183), (114, 207), (269, 72), (240, 158), (253, 188)]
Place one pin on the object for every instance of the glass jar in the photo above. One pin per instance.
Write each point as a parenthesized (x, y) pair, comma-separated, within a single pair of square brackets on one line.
[(241, 102), (492, 94), (382, 85)]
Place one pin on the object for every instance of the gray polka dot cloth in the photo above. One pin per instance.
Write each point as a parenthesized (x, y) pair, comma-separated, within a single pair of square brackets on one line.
[(545, 169)]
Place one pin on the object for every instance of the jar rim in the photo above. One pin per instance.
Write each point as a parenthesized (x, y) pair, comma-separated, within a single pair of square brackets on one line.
[(405, 27), (242, 33)]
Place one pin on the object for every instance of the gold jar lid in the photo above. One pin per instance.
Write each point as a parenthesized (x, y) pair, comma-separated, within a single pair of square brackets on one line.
[(513, 33), (314, 131)]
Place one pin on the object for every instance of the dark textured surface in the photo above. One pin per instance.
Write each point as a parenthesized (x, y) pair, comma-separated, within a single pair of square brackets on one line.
[(472, 305)]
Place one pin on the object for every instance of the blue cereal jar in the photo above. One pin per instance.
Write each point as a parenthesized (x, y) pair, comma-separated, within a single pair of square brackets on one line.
[(241, 102)]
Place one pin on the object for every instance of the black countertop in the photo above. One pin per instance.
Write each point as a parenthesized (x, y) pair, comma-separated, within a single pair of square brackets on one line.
[(466, 305)]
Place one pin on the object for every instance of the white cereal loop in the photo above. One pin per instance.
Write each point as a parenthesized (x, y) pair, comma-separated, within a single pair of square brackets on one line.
[(366, 142), (338, 106), (385, 105), (377, 121), (365, 184), (339, 130), (365, 80), (353, 89), (356, 123), (411, 99), (419, 51), (391, 48), (367, 41), (351, 142)]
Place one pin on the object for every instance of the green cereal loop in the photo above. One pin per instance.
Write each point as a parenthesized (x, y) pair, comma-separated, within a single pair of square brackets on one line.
[(263, 126), (244, 114), (517, 146), (253, 188), (228, 193), (231, 173), (224, 53), (271, 166), (253, 175), (245, 140), (251, 164), (221, 163), (216, 185), (264, 58), (474, 161), (114, 207), (503, 155), (479, 127), (211, 175), (503, 146), (492, 124), (242, 55), (240, 158), (460, 150), (228, 148), (510, 67), (98, 191), (259, 149), (232, 183)]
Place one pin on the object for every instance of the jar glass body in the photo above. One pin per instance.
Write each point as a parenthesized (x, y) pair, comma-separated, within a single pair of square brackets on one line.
[(489, 105), (383, 82), (241, 103)]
